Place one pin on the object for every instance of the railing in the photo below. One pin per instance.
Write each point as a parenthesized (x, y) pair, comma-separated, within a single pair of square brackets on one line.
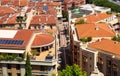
[(40, 73), (33, 62)]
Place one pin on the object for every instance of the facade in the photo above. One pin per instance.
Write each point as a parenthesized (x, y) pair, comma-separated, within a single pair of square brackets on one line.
[(86, 58), (15, 44), (107, 57), (102, 17), (68, 4)]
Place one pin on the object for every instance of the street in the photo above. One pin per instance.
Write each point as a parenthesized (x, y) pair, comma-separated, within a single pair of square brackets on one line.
[(63, 44)]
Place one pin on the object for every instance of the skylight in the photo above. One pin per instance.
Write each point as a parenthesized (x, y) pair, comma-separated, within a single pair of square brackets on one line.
[(7, 33)]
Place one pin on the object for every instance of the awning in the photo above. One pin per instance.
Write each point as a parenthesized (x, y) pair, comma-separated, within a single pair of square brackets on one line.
[(11, 51)]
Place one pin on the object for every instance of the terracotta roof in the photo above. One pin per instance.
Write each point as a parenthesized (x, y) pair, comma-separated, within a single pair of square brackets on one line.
[(48, 30), (48, 19), (3, 19), (75, 1), (7, 10), (106, 45), (49, 3), (94, 30), (20, 2), (97, 17), (42, 39), (24, 35), (68, 1), (4, 2), (12, 20), (51, 10)]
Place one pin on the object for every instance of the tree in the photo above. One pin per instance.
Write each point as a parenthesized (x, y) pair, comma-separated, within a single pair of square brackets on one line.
[(106, 3), (116, 38), (65, 15), (20, 20), (87, 39), (28, 66), (72, 71), (81, 21)]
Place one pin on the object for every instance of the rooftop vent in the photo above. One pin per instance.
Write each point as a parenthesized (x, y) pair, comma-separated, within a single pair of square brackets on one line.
[(115, 42), (96, 27)]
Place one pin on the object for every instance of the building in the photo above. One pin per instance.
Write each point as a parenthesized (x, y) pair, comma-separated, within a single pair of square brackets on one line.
[(93, 32), (15, 44), (101, 18), (94, 8), (107, 56), (68, 4)]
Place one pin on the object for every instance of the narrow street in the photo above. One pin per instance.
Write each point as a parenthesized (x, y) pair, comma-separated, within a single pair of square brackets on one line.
[(63, 45)]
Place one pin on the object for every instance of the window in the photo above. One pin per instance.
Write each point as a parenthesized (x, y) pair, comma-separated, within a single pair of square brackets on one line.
[(18, 67), (9, 66), (43, 68), (90, 66), (18, 74), (9, 74), (90, 58)]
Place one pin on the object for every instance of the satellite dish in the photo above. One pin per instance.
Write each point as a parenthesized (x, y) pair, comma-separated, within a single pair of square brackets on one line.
[(45, 8)]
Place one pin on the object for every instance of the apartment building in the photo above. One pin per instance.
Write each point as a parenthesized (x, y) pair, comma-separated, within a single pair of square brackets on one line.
[(107, 56), (18, 3), (102, 17), (93, 32), (14, 45), (68, 4)]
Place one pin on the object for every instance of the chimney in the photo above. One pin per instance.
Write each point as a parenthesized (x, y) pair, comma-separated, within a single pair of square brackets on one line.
[(96, 27), (46, 18), (115, 42), (99, 40)]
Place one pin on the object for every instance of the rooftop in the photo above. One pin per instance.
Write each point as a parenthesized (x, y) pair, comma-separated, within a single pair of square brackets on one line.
[(97, 17), (41, 19), (42, 39), (12, 38), (105, 45), (94, 30)]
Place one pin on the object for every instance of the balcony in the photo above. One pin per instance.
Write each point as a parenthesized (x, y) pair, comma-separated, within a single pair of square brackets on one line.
[(11, 57), (38, 72), (46, 57)]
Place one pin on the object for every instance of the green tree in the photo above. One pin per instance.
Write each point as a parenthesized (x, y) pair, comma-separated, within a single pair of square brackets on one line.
[(65, 15), (72, 71), (81, 21), (28, 67), (116, 38), (106, 3)]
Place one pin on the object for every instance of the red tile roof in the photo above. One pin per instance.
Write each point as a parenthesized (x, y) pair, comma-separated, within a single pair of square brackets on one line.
[(7, 10), (20, 2), (39, 19), (3, 19), (94, 30), (42, 39), (12, 20), (106, 45), (51, 10), (24, 35), (75, 1), (4, 2), (97, 17)]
